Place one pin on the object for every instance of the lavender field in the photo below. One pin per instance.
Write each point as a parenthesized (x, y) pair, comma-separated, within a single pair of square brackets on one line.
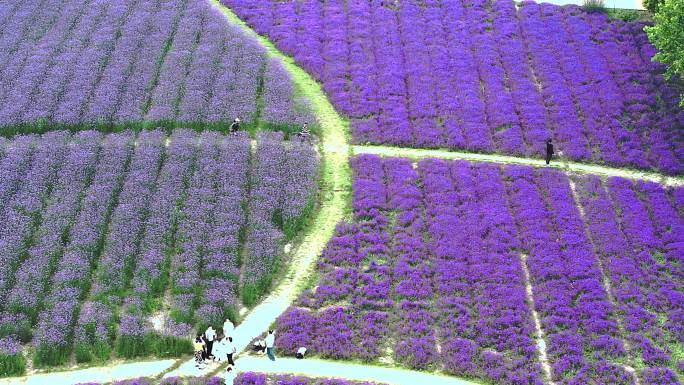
[(99, 232), (484, 76), (85, 62), (250, 378), (432, 275)]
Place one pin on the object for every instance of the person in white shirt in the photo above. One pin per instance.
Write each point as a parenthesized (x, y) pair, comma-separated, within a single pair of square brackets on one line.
[(220, 349), (230, 350), (229, 375), (301, 352), (270, 342), (228, 328), (210, 336)]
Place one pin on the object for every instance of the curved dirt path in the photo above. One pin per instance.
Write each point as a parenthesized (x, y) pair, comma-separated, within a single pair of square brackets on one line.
[(347, 371), (563, 164), (334, 204)]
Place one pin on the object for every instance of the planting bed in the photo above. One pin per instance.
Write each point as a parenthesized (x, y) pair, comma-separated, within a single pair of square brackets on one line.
[(484, 75), (100, 231), (84, 62), (431, 275)]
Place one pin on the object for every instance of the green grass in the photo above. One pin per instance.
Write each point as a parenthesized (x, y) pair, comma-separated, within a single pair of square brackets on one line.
[(12, 365)]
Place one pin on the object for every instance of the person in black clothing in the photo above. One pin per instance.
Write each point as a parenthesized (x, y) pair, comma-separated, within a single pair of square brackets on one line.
[(549, 151), (235, 126)]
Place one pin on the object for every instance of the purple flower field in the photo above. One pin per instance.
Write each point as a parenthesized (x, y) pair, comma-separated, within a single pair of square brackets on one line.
[(484, 76), (97, 228), (431, 275), (81, 62), (249, 378)]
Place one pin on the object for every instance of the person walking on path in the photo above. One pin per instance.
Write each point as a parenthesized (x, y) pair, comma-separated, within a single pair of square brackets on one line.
[(235, 126), (198, 344), (549, 150), (210, 336), (270, 342), (228, 328), (230, 350), (219, 349)]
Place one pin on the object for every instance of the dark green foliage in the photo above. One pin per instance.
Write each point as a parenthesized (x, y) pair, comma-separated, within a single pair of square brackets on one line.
[(667, 35), (627, 15), (653, 5), (51, 355), (12, 365), (594, 6)]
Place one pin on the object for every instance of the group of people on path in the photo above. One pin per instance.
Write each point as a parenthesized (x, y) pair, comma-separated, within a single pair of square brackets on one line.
[(303, 133), (214, 347)]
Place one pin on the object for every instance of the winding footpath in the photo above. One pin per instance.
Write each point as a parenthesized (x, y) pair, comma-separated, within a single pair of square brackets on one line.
[(334, 205), (563, 164)]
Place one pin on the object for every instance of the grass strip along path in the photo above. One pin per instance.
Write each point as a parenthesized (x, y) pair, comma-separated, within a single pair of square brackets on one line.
[(334, 205)]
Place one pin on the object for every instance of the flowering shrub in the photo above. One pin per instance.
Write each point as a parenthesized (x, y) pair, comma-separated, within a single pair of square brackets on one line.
[(121, 218), (484, 76), (68, 63), (431, 274), (249, 378)]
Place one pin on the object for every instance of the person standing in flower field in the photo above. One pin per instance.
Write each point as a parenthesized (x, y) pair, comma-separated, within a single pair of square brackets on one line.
[(304, 133), (235, 126), (549, 150), (270, 342)]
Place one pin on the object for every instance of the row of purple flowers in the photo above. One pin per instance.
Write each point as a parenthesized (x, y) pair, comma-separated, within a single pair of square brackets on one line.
[(117, 62), (431, 275), (484, 76), (99, 227)]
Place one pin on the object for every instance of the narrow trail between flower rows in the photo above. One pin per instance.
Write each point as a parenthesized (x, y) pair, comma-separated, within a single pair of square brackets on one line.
[(562, 164)]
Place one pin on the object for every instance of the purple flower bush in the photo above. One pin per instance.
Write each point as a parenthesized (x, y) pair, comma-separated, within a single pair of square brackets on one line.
[(431, 274), (98, 228), (249, 378), (484, 76), (75, 62)]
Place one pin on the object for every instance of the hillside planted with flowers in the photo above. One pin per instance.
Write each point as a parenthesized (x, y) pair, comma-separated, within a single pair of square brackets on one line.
[(432, 275), (97, 229), (113, 63), (484, 75)]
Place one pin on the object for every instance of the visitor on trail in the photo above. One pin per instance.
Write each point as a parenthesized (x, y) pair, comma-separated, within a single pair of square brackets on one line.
[(198, 344), (228, 328), (549, 150), (300, 353), (230, 350), (229, 375), (304, 133), (210, 336), (220, 348), (235, 126), (270, 341)]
